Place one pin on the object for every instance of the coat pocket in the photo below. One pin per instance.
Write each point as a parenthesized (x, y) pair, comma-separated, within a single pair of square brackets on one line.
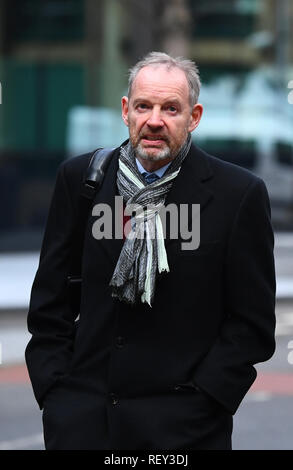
[(205, 400)]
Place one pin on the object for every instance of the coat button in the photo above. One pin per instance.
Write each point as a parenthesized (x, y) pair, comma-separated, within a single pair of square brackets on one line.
[(120, 341), (114, 399)]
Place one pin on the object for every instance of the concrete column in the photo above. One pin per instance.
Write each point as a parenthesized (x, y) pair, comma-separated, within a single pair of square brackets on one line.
[(94, 30), (176, 28), (282, 10), (2, 26), (114, 70)]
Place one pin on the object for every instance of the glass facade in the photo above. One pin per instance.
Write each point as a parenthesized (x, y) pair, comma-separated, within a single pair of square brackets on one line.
[(48, 20)]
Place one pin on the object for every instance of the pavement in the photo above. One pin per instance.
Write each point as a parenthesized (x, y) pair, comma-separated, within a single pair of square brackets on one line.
[(263, 421), (18, 271)]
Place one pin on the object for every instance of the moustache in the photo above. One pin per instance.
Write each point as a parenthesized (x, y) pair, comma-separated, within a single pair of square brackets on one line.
[(154, 137)]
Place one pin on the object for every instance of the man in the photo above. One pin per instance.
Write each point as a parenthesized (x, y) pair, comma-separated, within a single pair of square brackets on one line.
[(167, 337)]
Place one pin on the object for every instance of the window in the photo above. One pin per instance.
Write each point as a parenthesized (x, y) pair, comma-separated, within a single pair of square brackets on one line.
[(46, 20), (284, 153), (223, 18), (239, 152)]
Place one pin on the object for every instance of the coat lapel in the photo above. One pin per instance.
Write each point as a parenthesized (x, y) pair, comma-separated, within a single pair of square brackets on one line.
[(189, 186)]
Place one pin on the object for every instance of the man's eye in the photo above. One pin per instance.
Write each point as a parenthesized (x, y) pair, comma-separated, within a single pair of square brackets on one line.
[(173, 109), (142, 106)]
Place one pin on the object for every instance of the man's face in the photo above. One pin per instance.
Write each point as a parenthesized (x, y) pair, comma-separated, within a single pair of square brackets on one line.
[(158, 113)]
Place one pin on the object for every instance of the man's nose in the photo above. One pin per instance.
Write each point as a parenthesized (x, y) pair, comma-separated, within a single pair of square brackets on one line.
[(155, 119)]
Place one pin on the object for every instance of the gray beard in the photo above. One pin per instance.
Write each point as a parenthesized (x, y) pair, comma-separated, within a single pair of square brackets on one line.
[(142, 153)]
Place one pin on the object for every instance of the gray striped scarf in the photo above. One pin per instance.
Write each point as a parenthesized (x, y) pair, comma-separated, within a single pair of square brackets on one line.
[(143, 254)]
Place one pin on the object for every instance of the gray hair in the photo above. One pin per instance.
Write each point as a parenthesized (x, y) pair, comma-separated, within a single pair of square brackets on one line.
[(160, 58)]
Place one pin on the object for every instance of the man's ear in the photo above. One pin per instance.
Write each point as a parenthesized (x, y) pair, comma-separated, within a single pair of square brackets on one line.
[(124, 106), (196, 114)]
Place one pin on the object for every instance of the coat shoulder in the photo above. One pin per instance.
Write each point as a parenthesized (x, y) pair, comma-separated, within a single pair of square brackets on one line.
[(229, 175), (76, 166), (70, 177)]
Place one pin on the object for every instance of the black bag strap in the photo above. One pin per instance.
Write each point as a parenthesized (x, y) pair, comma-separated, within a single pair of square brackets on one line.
[(95, 172), (92, 180)]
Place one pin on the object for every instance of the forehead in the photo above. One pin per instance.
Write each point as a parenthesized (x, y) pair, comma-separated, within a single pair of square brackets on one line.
[(159, 80)]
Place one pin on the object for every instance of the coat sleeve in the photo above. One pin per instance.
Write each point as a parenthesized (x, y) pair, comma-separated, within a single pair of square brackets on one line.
[(247, 334), (50, 319)]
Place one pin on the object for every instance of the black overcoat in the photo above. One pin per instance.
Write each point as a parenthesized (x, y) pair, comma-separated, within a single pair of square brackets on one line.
[(169, 376)]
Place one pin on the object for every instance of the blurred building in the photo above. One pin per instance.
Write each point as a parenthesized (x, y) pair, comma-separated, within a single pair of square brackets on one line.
[(63, 70), (245, 52)]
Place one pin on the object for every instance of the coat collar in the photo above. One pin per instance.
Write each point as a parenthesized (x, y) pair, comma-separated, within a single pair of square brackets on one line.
[(188, 188)]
